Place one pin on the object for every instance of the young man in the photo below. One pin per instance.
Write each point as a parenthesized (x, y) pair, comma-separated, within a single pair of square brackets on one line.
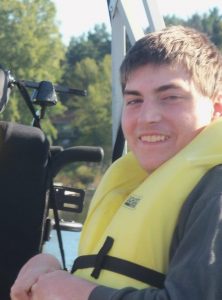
[(154, 228)]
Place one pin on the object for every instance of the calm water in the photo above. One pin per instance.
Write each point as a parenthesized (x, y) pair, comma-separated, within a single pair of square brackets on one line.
[(70, 244)]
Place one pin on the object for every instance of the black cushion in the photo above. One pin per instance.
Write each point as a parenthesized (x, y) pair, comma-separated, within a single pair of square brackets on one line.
[(23, 203)]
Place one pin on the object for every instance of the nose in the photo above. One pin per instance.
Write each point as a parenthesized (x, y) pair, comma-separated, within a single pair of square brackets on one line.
[(150, 112)]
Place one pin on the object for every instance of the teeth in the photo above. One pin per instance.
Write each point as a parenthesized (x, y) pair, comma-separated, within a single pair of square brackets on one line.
[(153, 138)]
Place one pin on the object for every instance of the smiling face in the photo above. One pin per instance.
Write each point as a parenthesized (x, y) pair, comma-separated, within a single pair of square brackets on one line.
[(163, 111)]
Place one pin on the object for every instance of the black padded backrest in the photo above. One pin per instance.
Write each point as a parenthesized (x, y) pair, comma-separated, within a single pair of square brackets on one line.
[(23, 186)]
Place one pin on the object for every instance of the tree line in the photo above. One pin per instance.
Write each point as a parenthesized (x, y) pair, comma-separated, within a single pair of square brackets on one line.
[(32, 48)]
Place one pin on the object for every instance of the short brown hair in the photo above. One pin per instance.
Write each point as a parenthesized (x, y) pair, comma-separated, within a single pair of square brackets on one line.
[(178, 45)]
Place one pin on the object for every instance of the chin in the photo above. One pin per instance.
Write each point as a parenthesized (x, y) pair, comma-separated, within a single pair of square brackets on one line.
[(151, 167)]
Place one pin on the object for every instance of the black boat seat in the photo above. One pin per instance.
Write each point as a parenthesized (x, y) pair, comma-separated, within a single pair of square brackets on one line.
[(23, 202)]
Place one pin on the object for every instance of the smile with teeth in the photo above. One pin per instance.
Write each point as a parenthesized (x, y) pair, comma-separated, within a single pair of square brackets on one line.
[(153, 138)]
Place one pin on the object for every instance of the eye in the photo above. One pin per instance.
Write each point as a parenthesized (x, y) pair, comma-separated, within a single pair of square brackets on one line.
[(133, 101), (172, 98)]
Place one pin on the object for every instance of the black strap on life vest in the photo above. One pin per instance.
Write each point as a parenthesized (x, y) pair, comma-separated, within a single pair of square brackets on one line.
[(118, 265)]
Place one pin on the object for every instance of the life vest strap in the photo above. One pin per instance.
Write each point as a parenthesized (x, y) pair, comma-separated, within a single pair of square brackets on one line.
[(121, 266), (101, 256)]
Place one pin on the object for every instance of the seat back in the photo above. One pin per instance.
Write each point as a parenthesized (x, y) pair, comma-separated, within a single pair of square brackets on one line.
[(23, 202)]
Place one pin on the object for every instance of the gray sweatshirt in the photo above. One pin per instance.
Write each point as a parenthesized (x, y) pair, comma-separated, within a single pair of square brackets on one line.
[(195, 269)]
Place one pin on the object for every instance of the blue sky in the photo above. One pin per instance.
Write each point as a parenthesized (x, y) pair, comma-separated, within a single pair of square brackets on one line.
[(76, 17)]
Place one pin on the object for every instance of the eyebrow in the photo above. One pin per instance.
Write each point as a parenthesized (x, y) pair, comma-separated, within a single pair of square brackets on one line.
[(166, 87), (131, 92), (161, 88)]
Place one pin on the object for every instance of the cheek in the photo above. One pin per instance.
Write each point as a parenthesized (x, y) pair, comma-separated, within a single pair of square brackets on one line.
[(204, 112), (128, 122), (125, 123), (187, 130), (205, 117), (189, 120)]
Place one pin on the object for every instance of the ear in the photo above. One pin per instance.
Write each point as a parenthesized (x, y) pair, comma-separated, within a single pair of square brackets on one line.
[(218, 106)]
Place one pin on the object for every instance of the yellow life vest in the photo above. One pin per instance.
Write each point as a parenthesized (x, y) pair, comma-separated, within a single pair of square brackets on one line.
[(140, 211)]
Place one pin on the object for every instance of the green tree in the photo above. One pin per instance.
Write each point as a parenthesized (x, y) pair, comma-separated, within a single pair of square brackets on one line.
[(93, 118), (210, 23), (31, 47), (88, 67), (88, 120), (95, 44)]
